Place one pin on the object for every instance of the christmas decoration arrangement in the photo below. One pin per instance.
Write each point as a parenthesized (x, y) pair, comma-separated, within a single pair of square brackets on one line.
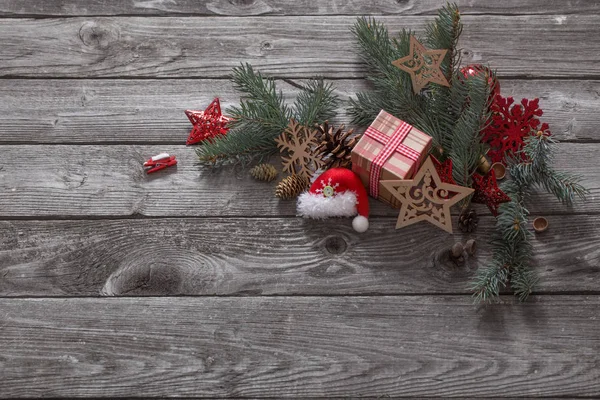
[(421, 82), (430, 134)]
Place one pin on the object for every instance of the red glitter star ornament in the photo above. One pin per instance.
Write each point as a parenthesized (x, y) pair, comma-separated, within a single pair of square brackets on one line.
[(208, 123), (510, 125), (487, 192)]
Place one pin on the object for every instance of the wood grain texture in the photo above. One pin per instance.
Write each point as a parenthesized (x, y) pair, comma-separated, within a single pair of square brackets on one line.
[(109, 181), (15, 8), (151, 111), (549, 46), (217, 256), (299, 347)]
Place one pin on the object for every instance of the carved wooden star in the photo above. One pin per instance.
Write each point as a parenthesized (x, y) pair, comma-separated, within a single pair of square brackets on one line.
[(426, 198), (423, 65)]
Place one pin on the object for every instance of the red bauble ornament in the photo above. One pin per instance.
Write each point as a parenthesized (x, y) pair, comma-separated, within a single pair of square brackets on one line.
[(208, 123), (477, 69), (487, 192), (510, 125)]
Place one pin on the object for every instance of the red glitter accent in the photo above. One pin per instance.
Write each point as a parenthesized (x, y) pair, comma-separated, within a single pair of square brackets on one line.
[(487, 192), (207, 124), (444, 170), (510, 125)]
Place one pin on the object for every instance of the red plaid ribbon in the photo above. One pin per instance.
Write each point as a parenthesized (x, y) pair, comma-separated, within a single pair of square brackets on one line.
[(391, 144)]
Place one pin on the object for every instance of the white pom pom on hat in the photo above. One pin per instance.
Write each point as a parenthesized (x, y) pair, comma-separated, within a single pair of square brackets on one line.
[(338, 192)]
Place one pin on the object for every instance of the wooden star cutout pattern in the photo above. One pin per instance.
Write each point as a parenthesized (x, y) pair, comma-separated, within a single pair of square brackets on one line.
[(423, 65), (426, 198)]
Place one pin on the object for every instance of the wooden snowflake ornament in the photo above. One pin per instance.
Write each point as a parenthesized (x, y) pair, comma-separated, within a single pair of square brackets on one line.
[(423, 65), (297, 143), (426, 198)]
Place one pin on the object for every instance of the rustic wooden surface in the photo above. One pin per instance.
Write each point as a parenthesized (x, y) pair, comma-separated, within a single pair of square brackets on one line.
[(199, 283)]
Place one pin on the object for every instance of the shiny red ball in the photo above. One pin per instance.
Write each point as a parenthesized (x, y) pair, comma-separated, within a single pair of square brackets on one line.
[(477, 69)]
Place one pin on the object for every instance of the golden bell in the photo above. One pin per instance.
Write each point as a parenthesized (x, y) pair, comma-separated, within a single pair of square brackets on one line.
[(485, 164)]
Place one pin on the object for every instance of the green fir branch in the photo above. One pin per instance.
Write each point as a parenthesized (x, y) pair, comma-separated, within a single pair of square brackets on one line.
[(392, 87), (262, 115), (464, 146), (316, 102), (444, 33), (512, 247)]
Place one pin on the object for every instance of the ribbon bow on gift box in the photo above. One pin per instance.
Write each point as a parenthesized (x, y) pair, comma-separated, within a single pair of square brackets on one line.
[(391, 144)]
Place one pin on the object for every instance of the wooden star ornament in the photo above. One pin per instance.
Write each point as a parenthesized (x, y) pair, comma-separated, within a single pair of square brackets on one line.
[(423, 65), (426, 198)]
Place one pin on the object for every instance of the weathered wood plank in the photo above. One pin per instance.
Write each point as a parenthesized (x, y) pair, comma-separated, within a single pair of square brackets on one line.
[(284, 46), (15, 8), (299, 346), (151, 111), (90, 180), (270, 257)]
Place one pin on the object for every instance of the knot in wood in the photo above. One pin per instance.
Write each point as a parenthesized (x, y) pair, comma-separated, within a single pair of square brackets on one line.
[(335, 245), (266, 46), (96, 35)]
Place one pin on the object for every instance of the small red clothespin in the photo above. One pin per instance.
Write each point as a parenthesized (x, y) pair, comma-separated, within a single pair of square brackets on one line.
[(158, 162)]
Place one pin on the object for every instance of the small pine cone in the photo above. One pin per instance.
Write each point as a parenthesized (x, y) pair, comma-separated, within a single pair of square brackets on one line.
[(291, 187), (335, 148), (467, 221), (264, 172)]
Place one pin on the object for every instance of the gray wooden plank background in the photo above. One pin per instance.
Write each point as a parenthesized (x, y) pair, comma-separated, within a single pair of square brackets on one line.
[(199, 283), (299, 346), (286, 46)]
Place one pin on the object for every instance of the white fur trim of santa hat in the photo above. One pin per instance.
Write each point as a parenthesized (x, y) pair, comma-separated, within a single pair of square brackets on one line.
[(341, 205), (317, 206)]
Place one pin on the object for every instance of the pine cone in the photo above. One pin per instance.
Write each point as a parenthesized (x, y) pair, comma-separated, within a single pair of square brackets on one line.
[(334, 148), (264, 172), (467, 221), (291, 186)]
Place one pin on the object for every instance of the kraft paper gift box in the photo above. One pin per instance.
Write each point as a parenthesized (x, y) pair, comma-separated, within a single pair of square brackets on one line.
[(390, 149)]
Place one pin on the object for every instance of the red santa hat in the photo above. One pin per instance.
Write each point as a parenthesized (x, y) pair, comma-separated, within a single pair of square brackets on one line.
[(337, 192)]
